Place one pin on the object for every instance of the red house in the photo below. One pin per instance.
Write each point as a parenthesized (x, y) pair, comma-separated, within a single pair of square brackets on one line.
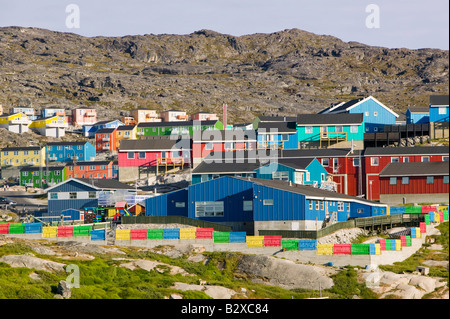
[(90, 169), (344, 165), (209, 141), (377, 158), (140, 158), (106, 140), (414, 182)]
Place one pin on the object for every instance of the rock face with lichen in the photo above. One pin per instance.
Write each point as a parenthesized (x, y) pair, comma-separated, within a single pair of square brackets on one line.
[(281, 73)]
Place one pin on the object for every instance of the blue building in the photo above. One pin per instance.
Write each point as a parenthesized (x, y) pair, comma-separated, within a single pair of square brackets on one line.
[(78, 193), (304, 171), (439, 108), (68, 151), (277, 135), (250, 204), (90, 129), (376, 114), (417, 115)]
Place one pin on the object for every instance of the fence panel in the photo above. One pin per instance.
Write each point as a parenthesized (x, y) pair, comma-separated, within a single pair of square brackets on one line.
[(155, 233), (188, 233), (325, 249), (205, 233), (221, 237), (171, 233), (4, 228), (138, 234), (342, 249), (272, 241), (50, 231), (255, 241), (79, 231), (360, 249), (98, 234), (238, 237), (16, 228), (33, 228), (307, 244), (123, 234), (65, 231)]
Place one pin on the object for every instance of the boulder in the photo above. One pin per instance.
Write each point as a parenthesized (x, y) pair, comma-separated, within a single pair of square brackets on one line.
[(32, 263)]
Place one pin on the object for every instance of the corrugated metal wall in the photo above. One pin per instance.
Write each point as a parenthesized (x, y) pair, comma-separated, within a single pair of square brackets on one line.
[(286, 205), (55, 207), (233, 192)]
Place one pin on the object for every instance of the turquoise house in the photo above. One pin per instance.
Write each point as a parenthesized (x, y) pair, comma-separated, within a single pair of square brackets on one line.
[(376, 114), (324, 130), (304, 171)]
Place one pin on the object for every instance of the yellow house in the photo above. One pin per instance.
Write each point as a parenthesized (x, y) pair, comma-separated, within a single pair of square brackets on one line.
[(126, 132), (50, 126), (23, 156), (17, 122)]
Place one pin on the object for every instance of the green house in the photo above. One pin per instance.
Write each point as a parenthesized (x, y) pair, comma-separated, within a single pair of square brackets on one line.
[(42, 177), (178, 127), (325, 130)]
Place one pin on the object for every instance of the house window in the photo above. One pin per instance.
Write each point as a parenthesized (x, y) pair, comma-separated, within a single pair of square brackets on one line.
[(374, 161), (141, 154), (57, 172), (180, 204), (92, 195), (283, 176), (340, 206), (268, 202), (445, 158), (36, 152), (394, 160), (354, 129), (79, 147), (393, 181), (229, 145), (310, 204), (445, 179), (348, 207), (317, 205), (375, 129), (130, 155), (209, 209), (72, 195), (375, 113), (430, 179), (425, 158), (356, 162), (339, 129), (405, 159), (322, 205), (247, 205), (442, 110), (92, 168), (53, 195), (16, 153), (366, 113), (405, 180), (308, 129), (81, 168), (325, 162)]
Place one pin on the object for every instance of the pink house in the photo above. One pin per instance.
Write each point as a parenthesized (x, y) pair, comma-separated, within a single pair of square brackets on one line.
[(84, 115), (138, 158), (204, 116)]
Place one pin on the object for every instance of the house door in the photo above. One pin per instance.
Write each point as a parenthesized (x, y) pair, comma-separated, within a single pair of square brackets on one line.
[(298, 178)]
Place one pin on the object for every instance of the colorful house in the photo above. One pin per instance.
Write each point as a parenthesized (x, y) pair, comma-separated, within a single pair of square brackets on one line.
[(50, 112), (376, 114), (173, 116), (414, 182), (106, 140), (68, 151), (179, 127), (16, 123), (139, 158), (439, 108), (217, 141), (90, 169), (377, 158), (90, 129), (277, 135), (23, 156), (80, 193), (28, 111), (270, 119), (145, 115), (331, 130), (250, 204), (204, 116), (303, 171), (84, 116), (42, 177), (206, 171), (54, 126), (417, 115), (126, 132)]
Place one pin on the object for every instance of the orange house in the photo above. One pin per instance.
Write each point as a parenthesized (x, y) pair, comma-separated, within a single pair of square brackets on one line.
[(106, 140), (90, 169)]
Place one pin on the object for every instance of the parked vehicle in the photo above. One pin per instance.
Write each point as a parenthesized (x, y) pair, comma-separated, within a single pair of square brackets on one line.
[(5, 201)]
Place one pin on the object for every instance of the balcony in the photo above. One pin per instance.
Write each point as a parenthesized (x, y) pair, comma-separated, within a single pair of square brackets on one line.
[(89, 114), (20, 121), (106, 139), (332, 137), (105, 147), (182, 117), (272, 145)]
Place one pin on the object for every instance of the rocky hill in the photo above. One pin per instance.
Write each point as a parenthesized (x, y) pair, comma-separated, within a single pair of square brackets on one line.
[(281, 73)]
